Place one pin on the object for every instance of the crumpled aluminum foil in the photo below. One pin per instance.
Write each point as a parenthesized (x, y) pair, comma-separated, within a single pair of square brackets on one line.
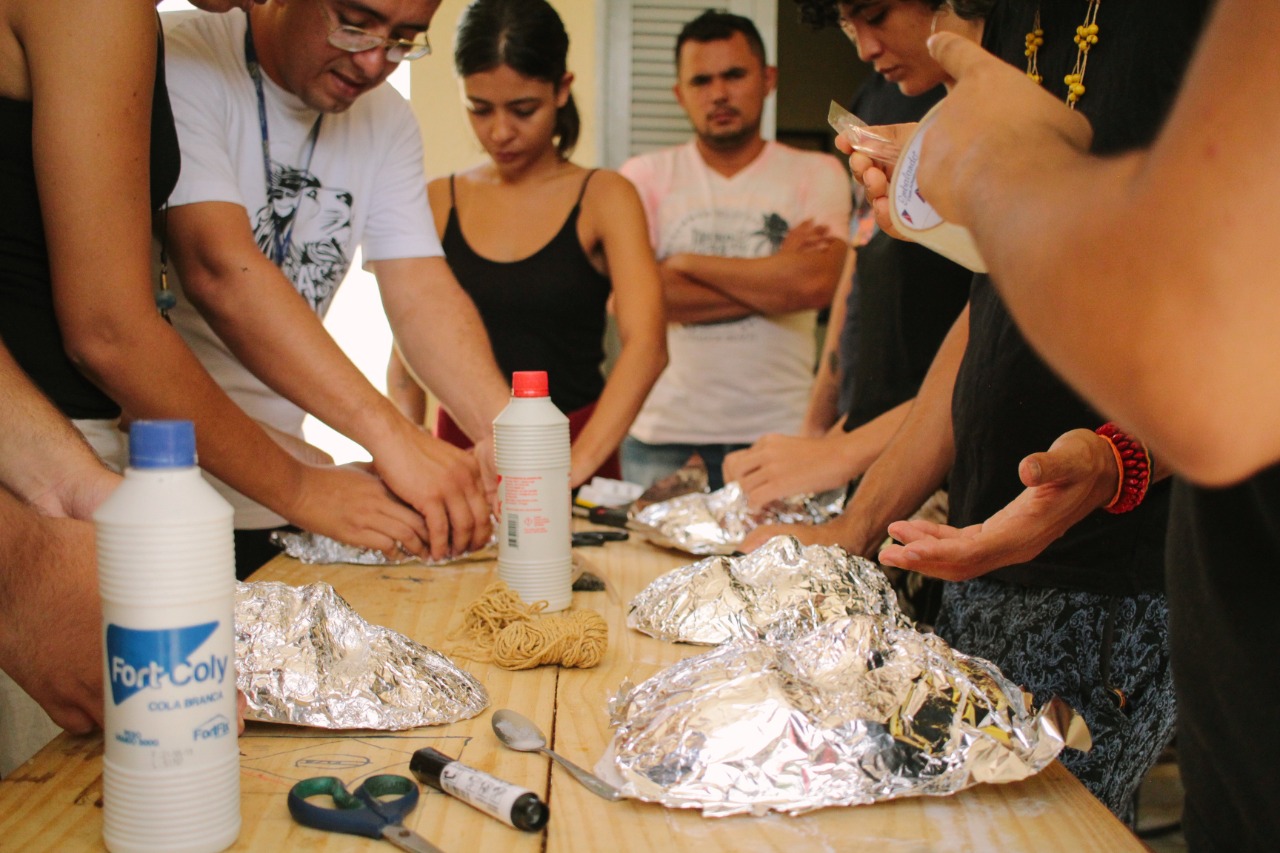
[(857, 711), (303, 656), (706, 523), (316, 549), (781, 590)]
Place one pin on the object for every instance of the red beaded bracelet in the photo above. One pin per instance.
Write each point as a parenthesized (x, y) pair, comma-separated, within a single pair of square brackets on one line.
[(1134, 467)]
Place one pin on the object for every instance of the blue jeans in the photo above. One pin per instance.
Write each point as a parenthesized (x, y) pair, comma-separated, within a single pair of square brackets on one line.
[(644, 464)]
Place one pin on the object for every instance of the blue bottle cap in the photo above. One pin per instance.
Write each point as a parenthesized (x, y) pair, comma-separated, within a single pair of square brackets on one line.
[(162, 444)]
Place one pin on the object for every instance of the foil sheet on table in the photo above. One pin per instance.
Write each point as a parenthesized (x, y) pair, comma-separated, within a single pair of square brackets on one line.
[(705, 523), (303, 656), (857, 711), (316, 549), (781, 590)]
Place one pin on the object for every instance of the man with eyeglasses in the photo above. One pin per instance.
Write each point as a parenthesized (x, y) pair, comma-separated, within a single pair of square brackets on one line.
[(295, 155)]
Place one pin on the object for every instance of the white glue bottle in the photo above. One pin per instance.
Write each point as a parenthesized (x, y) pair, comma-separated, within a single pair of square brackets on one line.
[(166, 571), (531, 443)]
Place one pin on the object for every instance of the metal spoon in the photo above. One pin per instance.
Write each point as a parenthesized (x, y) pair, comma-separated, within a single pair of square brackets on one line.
[(520, 733)]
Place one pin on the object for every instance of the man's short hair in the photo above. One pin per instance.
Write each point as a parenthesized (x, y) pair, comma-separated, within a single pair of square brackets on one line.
[(717, 25)]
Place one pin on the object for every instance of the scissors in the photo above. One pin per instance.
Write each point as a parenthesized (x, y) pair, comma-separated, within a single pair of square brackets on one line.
[(361, 813)]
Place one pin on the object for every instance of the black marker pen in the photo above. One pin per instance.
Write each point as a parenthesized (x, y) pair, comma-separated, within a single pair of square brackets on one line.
[(511, 804)]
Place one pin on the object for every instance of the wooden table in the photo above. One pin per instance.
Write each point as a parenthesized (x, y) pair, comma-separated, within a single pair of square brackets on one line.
[(54, 801)]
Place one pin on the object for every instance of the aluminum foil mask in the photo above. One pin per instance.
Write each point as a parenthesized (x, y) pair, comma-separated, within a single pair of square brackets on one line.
[(303, 656), (705, 523), (859, 710), (781, 589), (316, 549)]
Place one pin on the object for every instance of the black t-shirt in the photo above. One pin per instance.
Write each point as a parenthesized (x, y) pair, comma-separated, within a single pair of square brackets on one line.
[(1224, 584), (28, 325), (1007, 402), (904, 300), (904, 296)]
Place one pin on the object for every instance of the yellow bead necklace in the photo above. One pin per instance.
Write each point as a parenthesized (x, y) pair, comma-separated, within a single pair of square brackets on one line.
[(1086, 38)]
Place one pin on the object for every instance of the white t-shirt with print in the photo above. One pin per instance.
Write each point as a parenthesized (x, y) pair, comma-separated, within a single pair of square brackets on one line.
[(733, 382), (363, 188)]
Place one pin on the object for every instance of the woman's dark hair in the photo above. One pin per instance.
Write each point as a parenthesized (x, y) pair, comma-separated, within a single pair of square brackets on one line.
[(528, 37), (826, 13)]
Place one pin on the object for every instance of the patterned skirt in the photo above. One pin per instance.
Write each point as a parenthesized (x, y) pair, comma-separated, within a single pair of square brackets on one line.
[(1106, 656)]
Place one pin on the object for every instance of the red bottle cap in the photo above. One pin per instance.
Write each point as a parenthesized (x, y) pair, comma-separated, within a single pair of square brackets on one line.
[(529, 383)]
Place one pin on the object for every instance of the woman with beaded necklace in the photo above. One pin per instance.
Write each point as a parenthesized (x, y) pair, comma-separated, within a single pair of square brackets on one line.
[(1086, 618), (541, 244)]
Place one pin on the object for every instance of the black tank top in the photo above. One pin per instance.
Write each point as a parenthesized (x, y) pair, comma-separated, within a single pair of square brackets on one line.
[(28, 325), (545, 312)]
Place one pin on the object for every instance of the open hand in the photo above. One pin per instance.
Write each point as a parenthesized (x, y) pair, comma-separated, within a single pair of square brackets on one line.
[(1073, 478)]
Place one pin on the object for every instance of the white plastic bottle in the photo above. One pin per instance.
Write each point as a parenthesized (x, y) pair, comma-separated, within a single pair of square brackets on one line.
[(531, 442), (166, 571)]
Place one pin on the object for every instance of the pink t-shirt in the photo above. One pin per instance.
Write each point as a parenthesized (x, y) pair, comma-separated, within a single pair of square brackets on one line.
[(733, 382)]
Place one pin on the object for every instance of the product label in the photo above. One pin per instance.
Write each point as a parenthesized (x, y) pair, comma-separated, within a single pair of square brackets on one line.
[(529, 525), (492, 796), (917, 213), (172, 693), (155, 660)]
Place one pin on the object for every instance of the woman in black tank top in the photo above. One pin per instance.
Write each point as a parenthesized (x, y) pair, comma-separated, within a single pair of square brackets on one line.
[(543, 246)]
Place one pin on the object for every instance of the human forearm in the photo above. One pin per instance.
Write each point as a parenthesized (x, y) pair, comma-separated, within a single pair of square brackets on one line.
[(824, 397), (857, 449), (630, 380), (269, 328), (48, 571), (1183, 280), (144, 366), (443, 341), (777, 284), (917, 458), (689, 301), (43, 459)]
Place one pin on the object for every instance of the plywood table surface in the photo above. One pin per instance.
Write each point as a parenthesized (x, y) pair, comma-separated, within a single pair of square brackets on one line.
[(54, 801)]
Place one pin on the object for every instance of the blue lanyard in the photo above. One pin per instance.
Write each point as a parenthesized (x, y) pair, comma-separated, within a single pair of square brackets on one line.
[(279, 243)]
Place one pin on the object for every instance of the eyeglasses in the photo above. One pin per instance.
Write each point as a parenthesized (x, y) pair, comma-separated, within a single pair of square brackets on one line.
[(355, 40)]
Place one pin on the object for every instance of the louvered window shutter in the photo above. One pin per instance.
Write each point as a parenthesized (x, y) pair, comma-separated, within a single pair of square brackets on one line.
[(640, 111)]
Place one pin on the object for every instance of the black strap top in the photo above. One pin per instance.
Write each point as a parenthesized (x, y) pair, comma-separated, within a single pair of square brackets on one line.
[(544, 312), (28, 325)]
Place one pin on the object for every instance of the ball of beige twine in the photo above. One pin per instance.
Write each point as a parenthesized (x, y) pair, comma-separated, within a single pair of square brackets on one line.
[(514, 635)]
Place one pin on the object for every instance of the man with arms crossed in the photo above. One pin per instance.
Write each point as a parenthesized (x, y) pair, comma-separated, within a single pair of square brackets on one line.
[(749, 236)]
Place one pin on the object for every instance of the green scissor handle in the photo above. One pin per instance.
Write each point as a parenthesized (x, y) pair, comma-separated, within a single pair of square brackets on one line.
[(361, 813)]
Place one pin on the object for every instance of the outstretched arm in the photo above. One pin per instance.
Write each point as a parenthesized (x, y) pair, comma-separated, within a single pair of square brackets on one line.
[(91, 135), (1178, 260), (1075, 477), (779, 466), (615, 210), (911, 468), (824, 398)]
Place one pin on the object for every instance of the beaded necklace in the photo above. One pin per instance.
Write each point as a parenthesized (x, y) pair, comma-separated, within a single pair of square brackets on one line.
[(1086, 37)]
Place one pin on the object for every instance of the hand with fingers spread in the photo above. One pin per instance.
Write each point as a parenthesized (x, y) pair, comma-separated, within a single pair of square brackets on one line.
[(1076, 476)]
